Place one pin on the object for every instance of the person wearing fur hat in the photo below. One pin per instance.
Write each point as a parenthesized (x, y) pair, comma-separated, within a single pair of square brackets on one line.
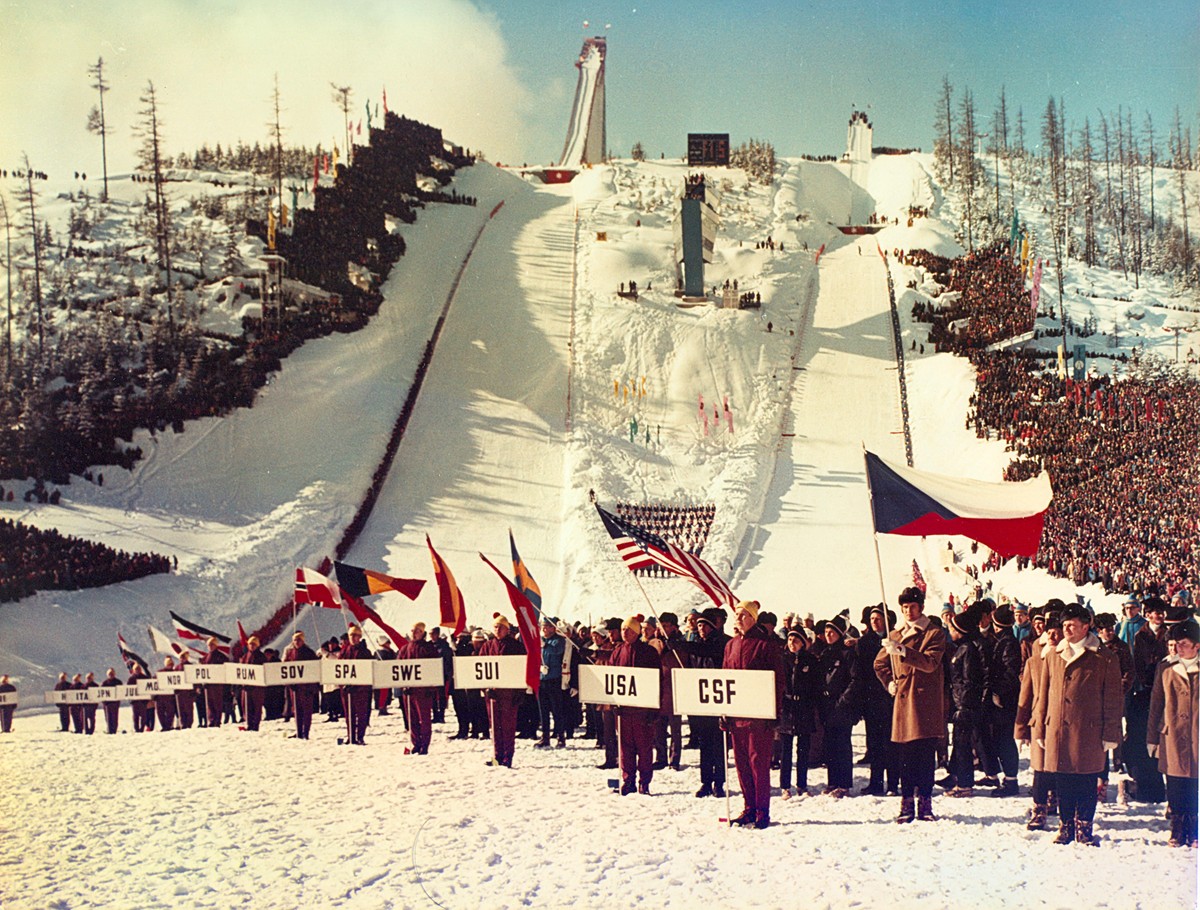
[(1002, 654), (1043, 790), (356, 700), (635, 726), (418, 701), (1077, 718), (502, 703), (1149, 650), (910, 666), (708, 653), (968, 681), (876, 702), (753, 648), (799, 719), (1171, 734)]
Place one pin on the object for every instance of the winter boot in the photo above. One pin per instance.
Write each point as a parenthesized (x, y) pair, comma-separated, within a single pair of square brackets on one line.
[(705, 790), (959, 792), (1008, 788), (719, 791), (763, 819), (1066, 831), (907, 811), (1178, 838), (748, 817), (1037, 818), (543, 743), (1083, 834), (925, 809)]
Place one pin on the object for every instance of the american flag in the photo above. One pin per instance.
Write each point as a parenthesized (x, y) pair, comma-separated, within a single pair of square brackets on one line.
[(639, 548)]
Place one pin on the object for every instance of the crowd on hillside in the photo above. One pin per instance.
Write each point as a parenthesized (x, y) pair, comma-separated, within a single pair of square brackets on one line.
[(33, 559), (985, 300), (1124, 463), (686, 527)]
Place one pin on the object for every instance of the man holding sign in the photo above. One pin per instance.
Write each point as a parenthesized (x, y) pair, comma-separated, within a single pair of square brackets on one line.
[(754, 648), (635, 725), (502, 703), (419, 700), (304, 695)]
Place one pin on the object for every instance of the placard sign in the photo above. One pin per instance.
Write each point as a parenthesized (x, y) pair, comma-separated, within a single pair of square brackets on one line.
[(148, 688), (8, 698), (724, 693), (131, 692), (245, 674), (630, 687), (205, 674), (409, 674), (504, 672), (110, 693), (348, 672), (172, 679), (293, 672)]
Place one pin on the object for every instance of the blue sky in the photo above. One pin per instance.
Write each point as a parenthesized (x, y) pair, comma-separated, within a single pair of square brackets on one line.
[(498, 74)]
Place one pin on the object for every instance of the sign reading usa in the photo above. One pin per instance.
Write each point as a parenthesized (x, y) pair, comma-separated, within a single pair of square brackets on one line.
[(629, 687), (724, 693)]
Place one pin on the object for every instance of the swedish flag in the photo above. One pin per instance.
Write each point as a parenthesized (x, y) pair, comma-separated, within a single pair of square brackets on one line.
[(521, 577)]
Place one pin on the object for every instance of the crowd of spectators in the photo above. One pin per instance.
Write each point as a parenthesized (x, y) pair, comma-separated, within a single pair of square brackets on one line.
[(32, 559), (983, 299), (686, 527)]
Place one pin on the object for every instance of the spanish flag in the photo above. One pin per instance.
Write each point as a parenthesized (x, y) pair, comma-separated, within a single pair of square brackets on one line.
[(363, 582), (450, 599)]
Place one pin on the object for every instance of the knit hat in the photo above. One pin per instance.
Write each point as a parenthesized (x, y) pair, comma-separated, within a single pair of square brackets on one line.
[(668, 618), (417, 627), (750, 606), (634, 622), (966, 622), (478, 635), (500, 620), (1003, 616), (838, 623), (797, 632)]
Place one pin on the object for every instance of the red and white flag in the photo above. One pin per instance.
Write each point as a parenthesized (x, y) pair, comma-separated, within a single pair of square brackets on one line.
[(314, 588)]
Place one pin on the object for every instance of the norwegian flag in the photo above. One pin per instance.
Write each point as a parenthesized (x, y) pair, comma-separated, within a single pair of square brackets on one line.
[(638, 549), (314, 588)]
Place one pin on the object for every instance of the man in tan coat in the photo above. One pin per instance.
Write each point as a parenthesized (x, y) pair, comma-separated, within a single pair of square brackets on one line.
[(1076, 719), (910, 665), (1031, 688), (1171, 734)]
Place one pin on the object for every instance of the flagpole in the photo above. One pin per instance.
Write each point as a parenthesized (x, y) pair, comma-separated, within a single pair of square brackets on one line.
[(875, 539)]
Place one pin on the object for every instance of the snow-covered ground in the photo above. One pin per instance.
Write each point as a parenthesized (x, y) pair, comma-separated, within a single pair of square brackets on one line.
[(523, 412)]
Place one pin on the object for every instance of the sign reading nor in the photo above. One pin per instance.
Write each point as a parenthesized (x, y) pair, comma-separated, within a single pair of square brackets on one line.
[(724, 693)]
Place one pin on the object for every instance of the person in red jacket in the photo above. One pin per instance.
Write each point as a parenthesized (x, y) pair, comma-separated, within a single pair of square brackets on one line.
[(112, 709), (76, 710), (635, 725), (502, 703), (89, 710), (303, 696), (419, 701), (754, 648), (253, 696), (165, 703), (185, 699), (214, 693)]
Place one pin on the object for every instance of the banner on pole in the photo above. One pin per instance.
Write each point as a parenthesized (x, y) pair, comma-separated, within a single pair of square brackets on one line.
[(629, 687), (348, 672), (292, 672), (724, 693), (409, 674), (205, 674), (504, 672)]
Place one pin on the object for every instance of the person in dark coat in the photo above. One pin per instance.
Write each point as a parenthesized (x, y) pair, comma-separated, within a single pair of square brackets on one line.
[(164, 705), (1149, 650), (836, 707), (967, 674), (77, 707), (89, 709), (910, 666), (708, 653), (502, 703), (112, 708), (458, 697), (446, 653), (876, 703), (356, 700), (253, 697), (383, 697), (143, 710), (214, 693), (185, 698), (635, 725), (273, 696), (754, 648), (798, 720), (64, 710), (6, 711), (1004, 666), (304, 695), (668, 732), (419, 700), (1105, 627), (607, 713), (550, 695)]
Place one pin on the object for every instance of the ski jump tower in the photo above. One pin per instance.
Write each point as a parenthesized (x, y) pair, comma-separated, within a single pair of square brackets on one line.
[(587, 139)]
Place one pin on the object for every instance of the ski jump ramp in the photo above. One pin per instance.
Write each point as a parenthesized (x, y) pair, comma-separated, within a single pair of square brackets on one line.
[(586, 138)]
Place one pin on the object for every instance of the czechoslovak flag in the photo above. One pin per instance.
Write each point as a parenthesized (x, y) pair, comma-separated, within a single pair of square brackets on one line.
[(1007, 517)]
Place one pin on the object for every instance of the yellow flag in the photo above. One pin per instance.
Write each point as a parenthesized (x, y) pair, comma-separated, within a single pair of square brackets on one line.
[(271, 230), (283, 214)]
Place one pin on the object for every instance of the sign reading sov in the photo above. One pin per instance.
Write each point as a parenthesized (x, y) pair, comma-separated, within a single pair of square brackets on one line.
[(724, 693), (504, 672), (409, 674), (629, 687), (293, 672)]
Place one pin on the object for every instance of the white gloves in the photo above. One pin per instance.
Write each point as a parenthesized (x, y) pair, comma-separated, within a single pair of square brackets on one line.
[(892, 688), (894, 648), (1152, 750), (1109, 747)]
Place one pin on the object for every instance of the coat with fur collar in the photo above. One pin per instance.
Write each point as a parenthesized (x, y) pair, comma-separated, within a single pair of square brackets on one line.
[(1079, 708), (1173, 719)]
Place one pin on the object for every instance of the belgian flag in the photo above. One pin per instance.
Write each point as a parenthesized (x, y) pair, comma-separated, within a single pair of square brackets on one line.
[(363, 582)]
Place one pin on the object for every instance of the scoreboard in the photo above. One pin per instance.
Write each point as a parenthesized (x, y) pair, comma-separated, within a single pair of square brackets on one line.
[(708, 149)]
